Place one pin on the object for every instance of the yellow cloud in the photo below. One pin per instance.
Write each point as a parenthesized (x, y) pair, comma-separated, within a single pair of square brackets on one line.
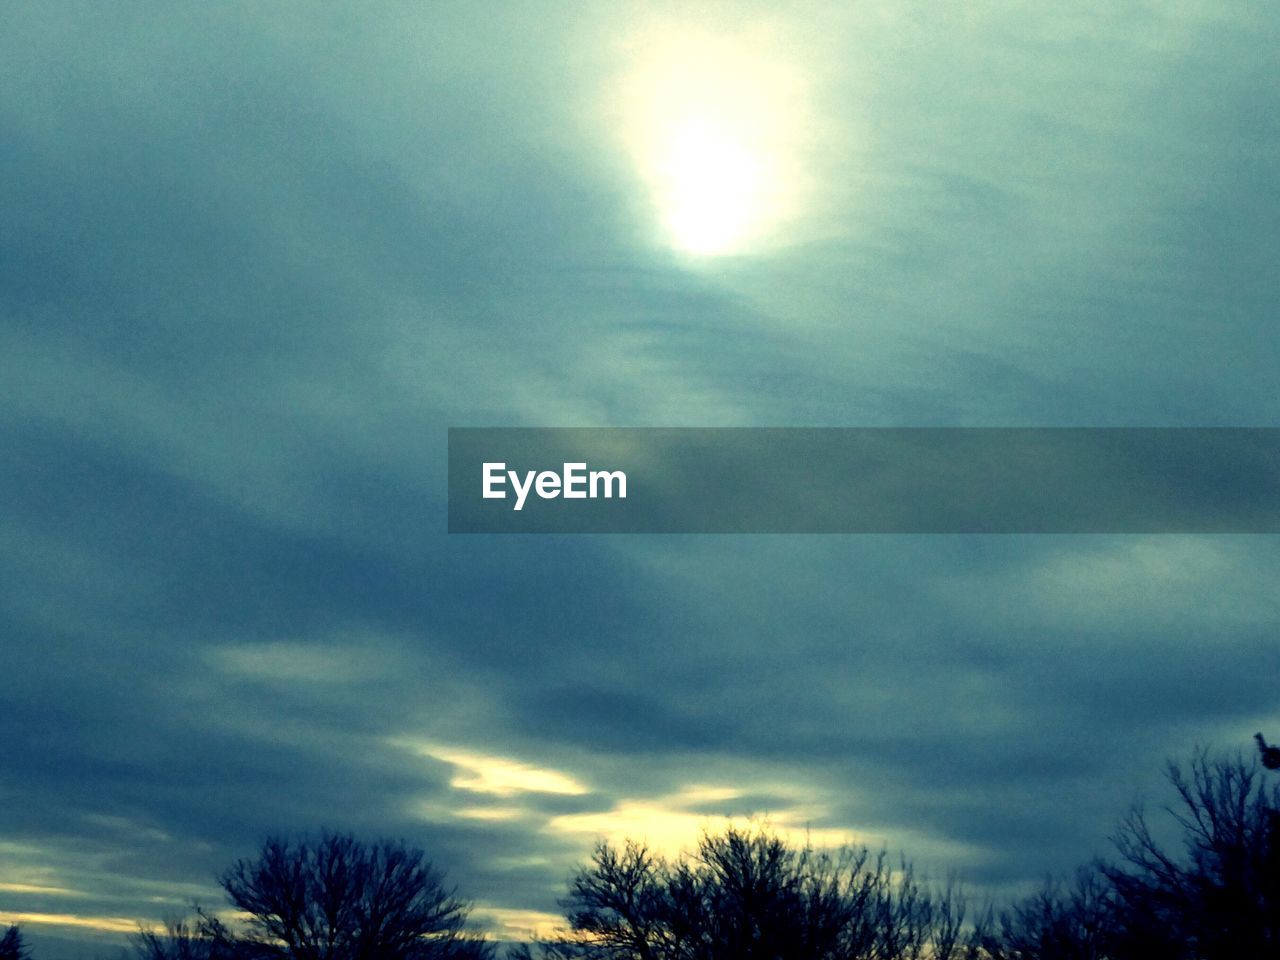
[(104, 924), (511, 924), (702, 793), (489, 813), (39, 888), (499, 776), (669, 827)]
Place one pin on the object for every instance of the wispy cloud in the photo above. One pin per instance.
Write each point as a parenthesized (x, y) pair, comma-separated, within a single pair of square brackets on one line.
[(245, 286), (500, 776)]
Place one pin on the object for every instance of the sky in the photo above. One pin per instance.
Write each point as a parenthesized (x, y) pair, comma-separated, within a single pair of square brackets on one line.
[(256, 259)]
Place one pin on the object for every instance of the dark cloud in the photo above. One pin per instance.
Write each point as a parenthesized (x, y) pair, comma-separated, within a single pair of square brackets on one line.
[(253, 263)]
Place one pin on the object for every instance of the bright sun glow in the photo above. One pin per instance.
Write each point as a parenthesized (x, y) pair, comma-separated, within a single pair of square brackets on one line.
[(713, 187), (712, 124)]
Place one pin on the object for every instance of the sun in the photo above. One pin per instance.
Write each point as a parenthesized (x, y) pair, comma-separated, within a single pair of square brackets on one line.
[(713, 187), (710, 123)]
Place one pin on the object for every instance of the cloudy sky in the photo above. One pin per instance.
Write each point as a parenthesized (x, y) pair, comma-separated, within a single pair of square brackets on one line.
[(256, 259)]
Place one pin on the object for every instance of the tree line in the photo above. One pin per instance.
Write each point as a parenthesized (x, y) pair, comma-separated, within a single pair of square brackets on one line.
[(1200, 882)]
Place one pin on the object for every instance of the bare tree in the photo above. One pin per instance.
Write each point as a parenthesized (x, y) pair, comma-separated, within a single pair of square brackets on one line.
[(201, 938), (749, 895), (1061, 922), (1218, 896), (618, 904), (12, 946), (340, 899)]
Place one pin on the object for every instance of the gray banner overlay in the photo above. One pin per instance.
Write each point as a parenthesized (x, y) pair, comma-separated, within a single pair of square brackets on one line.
[(864, 480)]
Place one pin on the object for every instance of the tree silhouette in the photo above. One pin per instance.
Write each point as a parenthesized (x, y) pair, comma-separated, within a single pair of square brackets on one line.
[(204, 938), (1059, 923), (749, 895), (1270, 753), (340, 899), (1219, 895), (12, 946), (1201, 882), (335, 898)]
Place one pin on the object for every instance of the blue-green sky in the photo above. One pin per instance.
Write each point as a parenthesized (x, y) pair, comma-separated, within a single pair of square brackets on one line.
[(256, 258)]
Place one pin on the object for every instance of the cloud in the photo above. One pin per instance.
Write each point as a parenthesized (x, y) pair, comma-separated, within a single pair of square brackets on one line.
[(500, 776), (256, 262), (519, 925), (96, 924), (670, 828), (298, 662), (39, 889)]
